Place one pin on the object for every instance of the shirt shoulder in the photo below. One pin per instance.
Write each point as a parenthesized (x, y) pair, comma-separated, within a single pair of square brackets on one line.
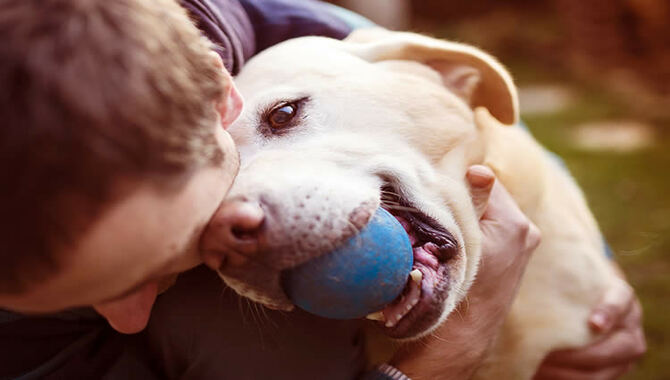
[(275, 21), (226, 24), (241, 28)]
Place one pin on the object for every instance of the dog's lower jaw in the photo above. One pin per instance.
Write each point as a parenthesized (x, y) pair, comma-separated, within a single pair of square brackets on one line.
[(426, 314), (275, 302)]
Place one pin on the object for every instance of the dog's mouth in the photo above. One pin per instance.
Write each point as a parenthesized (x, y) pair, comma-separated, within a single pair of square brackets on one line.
[(421, 303)]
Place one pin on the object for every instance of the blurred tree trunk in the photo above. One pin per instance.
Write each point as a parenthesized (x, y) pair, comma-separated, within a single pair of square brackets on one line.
[(392, 14), (620, 34), (596, 29)]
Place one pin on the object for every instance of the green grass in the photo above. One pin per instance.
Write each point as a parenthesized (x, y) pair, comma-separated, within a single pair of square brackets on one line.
[(629, 194)]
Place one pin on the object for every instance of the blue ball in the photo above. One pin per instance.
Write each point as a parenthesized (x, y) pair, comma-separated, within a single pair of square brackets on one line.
[(361, 276)]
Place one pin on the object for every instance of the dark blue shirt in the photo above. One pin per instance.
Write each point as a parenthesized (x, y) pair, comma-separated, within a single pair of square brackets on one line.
[(242, 28)]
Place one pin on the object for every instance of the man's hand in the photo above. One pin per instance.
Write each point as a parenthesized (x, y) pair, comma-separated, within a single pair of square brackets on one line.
[(618, 317), (456, 349)]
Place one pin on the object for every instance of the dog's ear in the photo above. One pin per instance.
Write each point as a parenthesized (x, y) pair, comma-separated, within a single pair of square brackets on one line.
[(470, 73)]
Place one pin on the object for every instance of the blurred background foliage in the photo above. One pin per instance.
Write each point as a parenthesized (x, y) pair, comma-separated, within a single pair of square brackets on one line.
[(594, 80)]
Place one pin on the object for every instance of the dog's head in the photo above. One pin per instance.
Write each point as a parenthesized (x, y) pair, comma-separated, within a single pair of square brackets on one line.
[(331, 130)]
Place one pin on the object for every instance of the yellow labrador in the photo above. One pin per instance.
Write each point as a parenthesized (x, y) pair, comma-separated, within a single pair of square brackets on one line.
[(331, 130)]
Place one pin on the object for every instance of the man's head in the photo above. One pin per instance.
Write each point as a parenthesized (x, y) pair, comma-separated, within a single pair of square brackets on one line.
[(112, 148)]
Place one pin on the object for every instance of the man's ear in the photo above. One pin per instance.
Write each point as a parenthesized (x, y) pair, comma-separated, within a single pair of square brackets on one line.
[(216, 58), (468, 72), (231, 104)]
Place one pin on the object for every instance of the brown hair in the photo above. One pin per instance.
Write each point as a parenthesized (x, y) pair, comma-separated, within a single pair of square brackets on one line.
[(91, 92)]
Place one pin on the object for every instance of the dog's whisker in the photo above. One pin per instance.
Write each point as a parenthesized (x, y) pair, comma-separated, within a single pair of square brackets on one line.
[(466, 301), (390, 204), (424, 342), (391, 193), (353, 227), (253, 258), (240, 306), (390, 196), (385, 198), (390, 200), (258, 307), (402, 208), (438, 337), (225, 290), (267, 316), (254, 306), (247, 304)]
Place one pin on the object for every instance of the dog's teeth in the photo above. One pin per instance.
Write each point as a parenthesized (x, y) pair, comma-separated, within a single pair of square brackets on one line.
[(416, 275), (377, 316), (391, 322)]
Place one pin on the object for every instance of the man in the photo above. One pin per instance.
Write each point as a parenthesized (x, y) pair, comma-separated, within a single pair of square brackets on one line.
[(115, 157)]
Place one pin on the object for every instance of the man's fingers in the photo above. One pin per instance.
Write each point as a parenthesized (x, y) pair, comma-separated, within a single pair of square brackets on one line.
[(615, 304), (481, 180), (608, 358), (533, 237), (498, 212), (502, 207), (623, 347)]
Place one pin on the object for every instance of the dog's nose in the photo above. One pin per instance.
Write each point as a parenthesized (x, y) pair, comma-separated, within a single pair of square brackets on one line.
[(233, 235)]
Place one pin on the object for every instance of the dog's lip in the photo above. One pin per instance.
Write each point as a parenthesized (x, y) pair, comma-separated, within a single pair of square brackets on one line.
[(434, 287), (422, 316), (433, 247), (419, 226)]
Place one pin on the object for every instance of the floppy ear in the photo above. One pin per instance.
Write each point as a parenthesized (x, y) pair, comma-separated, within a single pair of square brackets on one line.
[(471, 74)]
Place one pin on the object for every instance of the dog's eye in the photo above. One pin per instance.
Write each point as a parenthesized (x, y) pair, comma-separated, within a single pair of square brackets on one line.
[(281, 116)]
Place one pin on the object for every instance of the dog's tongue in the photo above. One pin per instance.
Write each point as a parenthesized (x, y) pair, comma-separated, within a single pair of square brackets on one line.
[(130, 314)]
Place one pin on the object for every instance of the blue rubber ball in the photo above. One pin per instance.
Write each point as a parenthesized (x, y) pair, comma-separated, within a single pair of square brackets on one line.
[(361, 276)]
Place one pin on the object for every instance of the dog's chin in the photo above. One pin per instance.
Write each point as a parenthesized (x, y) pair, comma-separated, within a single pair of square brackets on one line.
[(429, 294)]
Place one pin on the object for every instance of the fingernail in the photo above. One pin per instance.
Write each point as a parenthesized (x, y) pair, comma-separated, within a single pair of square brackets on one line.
[(480, 176)]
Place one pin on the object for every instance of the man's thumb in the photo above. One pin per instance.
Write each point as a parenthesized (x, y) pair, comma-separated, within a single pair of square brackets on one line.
[(481, 180)]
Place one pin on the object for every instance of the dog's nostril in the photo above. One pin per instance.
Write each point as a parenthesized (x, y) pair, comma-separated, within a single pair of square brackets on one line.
[(233, 235), (244, 234), (244, 220), (247, 221)]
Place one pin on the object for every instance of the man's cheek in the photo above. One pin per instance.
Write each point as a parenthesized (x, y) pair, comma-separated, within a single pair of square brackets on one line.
[(231, 161)]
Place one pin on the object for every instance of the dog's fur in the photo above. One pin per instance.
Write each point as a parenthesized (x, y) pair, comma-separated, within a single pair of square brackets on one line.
[(415, 112)]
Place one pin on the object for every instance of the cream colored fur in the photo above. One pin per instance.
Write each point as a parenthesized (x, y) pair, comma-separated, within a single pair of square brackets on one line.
[(420, 110)]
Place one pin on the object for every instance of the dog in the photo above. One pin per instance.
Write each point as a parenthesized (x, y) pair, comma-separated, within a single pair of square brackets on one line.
[(332, 130)]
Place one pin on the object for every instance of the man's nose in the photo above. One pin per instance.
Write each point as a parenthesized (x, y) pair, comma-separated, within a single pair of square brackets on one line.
[(234, 234)]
